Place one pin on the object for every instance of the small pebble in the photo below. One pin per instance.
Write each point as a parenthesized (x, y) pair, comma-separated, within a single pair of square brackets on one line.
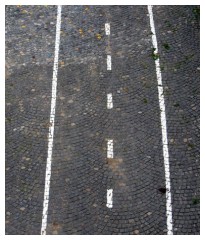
[(67, 179), (122, 184), (131, 221)]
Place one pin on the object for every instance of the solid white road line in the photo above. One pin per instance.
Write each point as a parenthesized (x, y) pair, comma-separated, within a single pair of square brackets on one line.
[(109, 148), (164, 128), (51, 127), (107, 28), (109, 198), (109, 101), (109, 62)]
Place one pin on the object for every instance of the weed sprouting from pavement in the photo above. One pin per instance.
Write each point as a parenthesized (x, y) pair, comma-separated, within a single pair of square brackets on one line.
[(166, 46), (145, 100), (195, 201), (161, 68), (176, 105), (191, 145), (8, 119), (196, 12), (154, 54), (168, 24)]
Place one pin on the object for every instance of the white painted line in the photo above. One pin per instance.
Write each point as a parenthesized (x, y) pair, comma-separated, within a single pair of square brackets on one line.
[(109, 101), (109, 198), (164, 128), (51, 127), (107, 28), (109, 62), (110, 148)]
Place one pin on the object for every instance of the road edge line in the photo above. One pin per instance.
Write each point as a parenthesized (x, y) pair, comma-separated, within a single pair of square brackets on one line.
[(163, 126), (51, 125)]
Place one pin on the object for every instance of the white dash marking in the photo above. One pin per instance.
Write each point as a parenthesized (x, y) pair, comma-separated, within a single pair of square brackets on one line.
[(164, 129), (109, 101), (51, 127), (107, 28), (110, 148), (109, 198), (109, 62)]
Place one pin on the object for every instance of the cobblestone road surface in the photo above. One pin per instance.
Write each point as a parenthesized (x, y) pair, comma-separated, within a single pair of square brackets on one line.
[(81, 171)]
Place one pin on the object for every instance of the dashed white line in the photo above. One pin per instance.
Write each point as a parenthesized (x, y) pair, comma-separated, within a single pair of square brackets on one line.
[(110, 148), (164, 128), (109, 106), (107, 28), (109, 198), (109, 101), (109, 62), (51, 127)]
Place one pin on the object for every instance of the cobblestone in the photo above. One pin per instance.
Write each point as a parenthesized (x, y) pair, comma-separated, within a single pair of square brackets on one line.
[(186, 93), (81, 172)]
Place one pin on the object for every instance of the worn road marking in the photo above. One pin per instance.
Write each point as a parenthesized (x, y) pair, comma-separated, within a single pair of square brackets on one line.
[(51, 127), (107, 28), (109, 198), (109, 62), (109, 101), (109, 148), (164, 128)]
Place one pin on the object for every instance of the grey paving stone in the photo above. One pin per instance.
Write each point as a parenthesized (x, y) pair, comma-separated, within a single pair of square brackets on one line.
[(81, 172)]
